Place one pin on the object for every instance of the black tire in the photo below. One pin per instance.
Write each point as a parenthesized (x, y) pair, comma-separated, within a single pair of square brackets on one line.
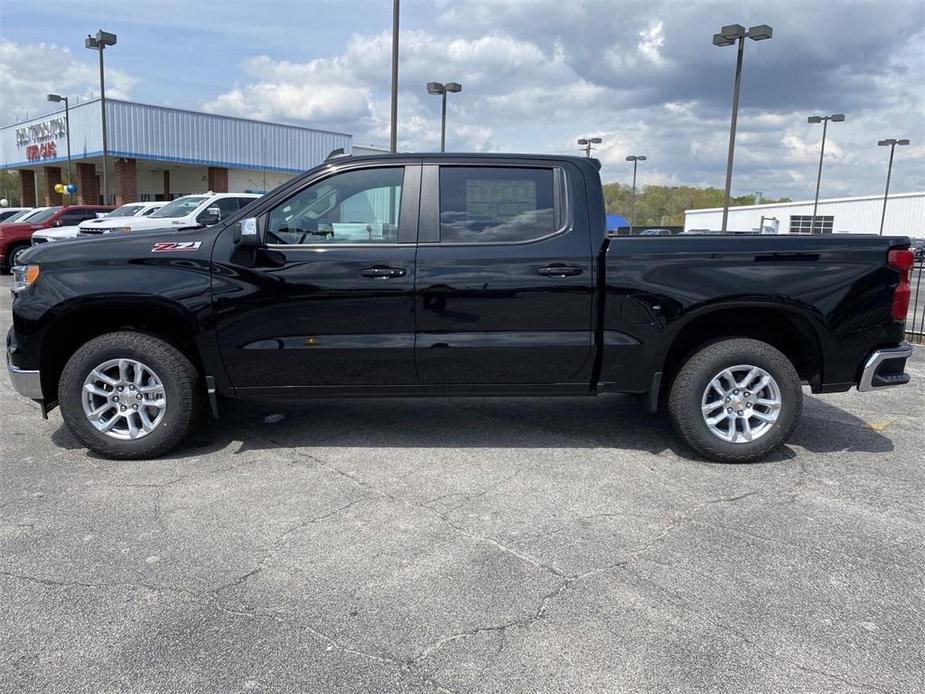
[(11, 256), (177, 374), (687, 391)]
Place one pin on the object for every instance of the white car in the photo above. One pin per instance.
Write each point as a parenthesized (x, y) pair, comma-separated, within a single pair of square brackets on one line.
[(132, 209), (61, 233), (187, 212), (8, 214)]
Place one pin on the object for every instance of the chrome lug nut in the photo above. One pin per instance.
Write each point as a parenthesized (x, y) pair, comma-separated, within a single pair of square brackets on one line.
[(115, 398), (727, 398), (748, 404), (138, 396), (120, 388), (728, 409), (735, 392), (133, 388), (122, 408), (747, 394), (134, 407), (740, 413)]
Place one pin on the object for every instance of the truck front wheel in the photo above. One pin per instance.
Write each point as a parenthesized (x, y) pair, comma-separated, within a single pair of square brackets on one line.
[(129, 395), (736, 401)]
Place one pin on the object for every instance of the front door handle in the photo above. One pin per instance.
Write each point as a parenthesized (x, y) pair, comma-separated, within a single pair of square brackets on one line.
[(557, 270), (382, 272)]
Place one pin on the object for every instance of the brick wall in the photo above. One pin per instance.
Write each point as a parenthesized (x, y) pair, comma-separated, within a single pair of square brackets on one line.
[(27, 185), (53, 178), (126, 171), (218, 179), (88, 185)]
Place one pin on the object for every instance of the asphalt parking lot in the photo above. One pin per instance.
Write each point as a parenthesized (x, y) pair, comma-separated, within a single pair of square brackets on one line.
[(466, 546)]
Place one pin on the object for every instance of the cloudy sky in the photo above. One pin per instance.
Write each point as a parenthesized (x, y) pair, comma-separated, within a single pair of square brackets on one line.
[(536, 76)]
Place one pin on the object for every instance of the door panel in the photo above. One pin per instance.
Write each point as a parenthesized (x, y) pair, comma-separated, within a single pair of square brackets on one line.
[(501, 313), (334, 312)]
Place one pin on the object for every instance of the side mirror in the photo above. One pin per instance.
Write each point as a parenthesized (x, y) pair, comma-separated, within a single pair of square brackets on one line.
[(58, 223), (211, 216), (248, 233)]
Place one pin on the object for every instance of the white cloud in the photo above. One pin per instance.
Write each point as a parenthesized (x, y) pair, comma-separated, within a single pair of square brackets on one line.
[(28, 72)]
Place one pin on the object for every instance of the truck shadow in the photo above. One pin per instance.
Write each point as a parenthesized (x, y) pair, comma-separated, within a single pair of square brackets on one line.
[(618, 422)]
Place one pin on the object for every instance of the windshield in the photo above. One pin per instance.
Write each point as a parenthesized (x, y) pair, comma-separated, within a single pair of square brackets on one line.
[(18, 217), (125, 211), (180, 207), (42, 215)]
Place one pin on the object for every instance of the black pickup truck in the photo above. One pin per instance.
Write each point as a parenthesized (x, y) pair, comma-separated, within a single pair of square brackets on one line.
[(452, 275)]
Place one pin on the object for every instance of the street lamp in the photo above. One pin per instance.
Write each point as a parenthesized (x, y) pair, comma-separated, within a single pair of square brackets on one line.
[(440, 89), (393, 106), (98, 43), (891, 143), (729, 36), (835, 118), (635, 158), (57, 99), (587, 142)]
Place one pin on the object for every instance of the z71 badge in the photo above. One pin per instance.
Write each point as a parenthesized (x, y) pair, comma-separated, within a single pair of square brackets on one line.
[(165, 246)]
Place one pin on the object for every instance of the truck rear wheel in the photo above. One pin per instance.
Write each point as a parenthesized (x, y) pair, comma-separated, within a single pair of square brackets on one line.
[(736, 401), (128, 395)]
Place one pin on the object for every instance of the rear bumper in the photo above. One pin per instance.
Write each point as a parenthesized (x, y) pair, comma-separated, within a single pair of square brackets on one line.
[(885, 368)]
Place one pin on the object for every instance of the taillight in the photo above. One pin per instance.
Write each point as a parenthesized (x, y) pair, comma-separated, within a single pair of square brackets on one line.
[(901, 261)]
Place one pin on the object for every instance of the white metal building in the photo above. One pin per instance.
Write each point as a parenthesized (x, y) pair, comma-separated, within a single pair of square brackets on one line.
[(905, 216), (157, 153)]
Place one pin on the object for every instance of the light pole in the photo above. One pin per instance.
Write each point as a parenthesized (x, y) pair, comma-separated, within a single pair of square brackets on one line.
[(728, 36), (835, 118), (98, 43), (57, 98), (587, 142), (635, 158), (393, 135), (441, 89), (891, 143)]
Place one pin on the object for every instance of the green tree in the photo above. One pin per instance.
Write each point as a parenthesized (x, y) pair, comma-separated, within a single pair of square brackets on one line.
[(9, 187), (665, 205)]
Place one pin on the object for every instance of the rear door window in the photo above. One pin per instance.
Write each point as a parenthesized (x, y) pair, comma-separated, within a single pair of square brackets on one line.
[(497, 204)]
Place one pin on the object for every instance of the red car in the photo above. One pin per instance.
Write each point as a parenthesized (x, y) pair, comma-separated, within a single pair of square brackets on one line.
[(16, 238)]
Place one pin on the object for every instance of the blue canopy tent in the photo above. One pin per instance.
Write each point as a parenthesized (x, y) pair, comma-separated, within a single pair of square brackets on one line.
[(614, 222)]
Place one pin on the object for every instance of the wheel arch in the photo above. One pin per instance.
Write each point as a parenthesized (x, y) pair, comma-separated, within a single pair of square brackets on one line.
[(75, 326), (787, 330)]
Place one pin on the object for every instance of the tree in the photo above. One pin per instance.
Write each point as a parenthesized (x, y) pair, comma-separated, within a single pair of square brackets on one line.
[(9, 187), (665, 205)]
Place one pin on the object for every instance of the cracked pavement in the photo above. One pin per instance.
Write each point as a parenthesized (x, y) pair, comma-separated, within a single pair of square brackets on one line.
[(504, 545)]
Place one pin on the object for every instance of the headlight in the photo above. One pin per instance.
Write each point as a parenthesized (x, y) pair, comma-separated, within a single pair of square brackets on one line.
[(24, 276)]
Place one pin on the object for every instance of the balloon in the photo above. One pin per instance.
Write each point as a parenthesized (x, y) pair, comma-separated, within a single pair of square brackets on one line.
[(71, 188), (59, 188), (4, 203)]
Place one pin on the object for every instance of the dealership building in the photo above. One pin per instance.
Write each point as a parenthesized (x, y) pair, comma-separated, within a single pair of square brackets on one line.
[(157, 153), (905, 216)]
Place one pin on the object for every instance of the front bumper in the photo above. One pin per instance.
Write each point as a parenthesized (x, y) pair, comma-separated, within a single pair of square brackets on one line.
[(25, 381), (885, 368)]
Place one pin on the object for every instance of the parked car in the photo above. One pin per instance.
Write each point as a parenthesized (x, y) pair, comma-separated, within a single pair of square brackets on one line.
[(918, 247), (452, 275), (133, 209), (7, 214), (16, 237), (183, 213), (655, 232)]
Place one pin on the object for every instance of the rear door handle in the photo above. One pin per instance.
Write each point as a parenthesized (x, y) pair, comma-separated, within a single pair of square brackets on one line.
[(559, 271), (381, 272)]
